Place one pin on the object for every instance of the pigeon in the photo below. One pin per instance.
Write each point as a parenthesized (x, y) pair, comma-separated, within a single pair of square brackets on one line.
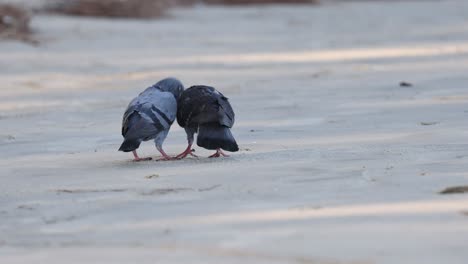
[(204, 110), (150, 116)]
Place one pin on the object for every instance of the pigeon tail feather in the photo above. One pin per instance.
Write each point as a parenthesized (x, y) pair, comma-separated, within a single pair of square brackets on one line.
[(129, 145), (215, 136)]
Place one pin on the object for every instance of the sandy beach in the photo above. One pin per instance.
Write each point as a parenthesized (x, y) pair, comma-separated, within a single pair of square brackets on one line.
[(338, 163)]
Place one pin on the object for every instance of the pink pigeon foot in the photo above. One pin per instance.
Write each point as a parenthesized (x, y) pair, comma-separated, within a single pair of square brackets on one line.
[(137, 158), (165, 156), (218, 154), (187, 151)]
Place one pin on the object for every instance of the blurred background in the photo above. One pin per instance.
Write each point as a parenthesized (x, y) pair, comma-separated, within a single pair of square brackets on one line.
[(350, 118)]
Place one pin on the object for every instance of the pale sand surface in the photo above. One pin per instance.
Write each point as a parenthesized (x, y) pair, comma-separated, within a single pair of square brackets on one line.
[(335, 165)]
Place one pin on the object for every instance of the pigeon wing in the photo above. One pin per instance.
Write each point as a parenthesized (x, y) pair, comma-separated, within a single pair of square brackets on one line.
[(189, 106), (164, 106), (149, 114), (203, 104), (127, 121), (226, 114)]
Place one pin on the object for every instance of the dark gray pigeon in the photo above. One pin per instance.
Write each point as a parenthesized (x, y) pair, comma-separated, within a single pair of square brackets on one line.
[(150, 116), (204, 110)]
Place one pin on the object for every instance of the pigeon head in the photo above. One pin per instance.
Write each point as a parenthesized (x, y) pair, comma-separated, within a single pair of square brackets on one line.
[(171, 85)]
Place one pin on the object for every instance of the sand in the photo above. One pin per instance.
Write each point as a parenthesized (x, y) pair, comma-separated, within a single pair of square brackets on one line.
[(338, 162)]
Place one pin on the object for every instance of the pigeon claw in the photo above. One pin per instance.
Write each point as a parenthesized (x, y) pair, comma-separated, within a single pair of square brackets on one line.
[(165, 157), (137, 158), (219, 153), (184, 154)]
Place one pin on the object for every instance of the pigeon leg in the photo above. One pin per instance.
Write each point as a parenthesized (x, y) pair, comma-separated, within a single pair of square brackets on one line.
[(165, 156), (138, 158), (223, 154), (218, 154), (187, 151)]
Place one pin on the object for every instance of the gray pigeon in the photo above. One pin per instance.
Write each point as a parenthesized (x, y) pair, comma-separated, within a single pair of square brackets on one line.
[(204, 110), (150, 116)]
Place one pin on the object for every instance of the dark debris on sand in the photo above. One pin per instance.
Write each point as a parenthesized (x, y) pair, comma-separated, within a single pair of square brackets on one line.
[(455, 189)]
